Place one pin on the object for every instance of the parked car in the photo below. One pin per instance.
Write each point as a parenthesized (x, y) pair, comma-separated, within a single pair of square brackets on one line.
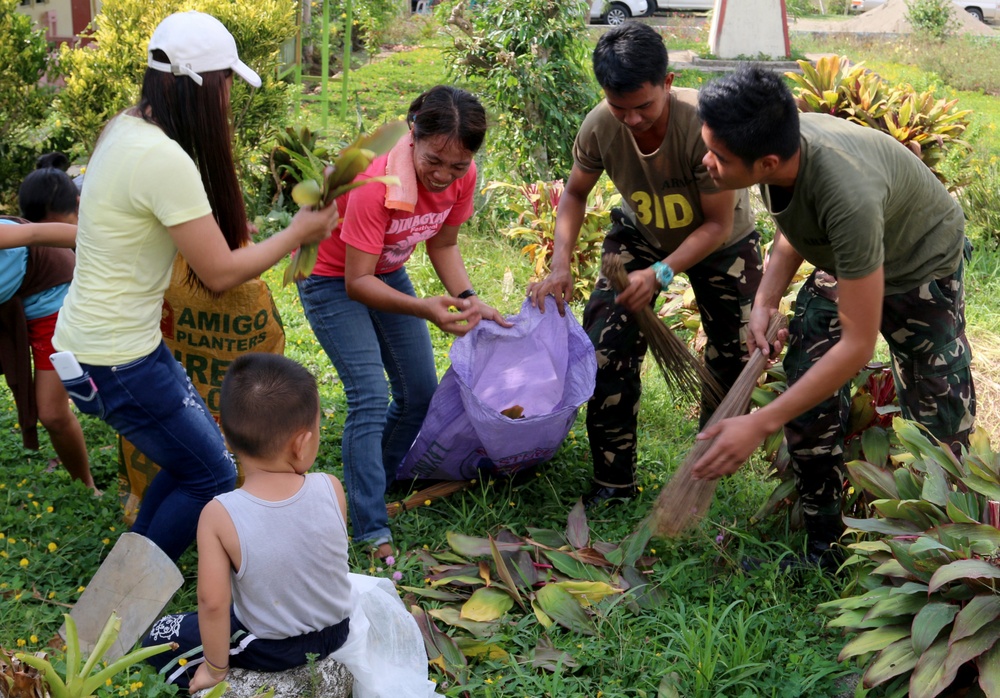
[(690, 5), (614, 12), (982, 10)]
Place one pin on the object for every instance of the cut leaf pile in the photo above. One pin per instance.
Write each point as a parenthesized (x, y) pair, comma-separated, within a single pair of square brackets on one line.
[(560, 578)]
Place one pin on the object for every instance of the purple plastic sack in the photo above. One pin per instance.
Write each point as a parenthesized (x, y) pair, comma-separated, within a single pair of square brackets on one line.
[(544, 364)]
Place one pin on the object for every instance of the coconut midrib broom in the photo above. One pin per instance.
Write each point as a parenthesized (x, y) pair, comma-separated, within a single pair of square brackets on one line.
[(681, 370), (684, 500)]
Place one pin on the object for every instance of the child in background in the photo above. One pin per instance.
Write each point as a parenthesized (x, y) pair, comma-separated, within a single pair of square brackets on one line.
[(273, 585), (48, 195), (33, 283)]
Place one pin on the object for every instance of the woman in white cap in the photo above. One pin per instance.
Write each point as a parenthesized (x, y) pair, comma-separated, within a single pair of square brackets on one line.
[(162, 179)]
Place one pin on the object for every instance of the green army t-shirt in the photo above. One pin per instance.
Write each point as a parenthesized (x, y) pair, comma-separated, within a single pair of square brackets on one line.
[(862, 200), (662, 190)]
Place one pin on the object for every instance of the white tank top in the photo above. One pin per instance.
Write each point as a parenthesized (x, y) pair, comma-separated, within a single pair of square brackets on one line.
[(293, 576)]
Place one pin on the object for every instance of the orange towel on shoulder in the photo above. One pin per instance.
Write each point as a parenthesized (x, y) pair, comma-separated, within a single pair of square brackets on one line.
[(402, 196)]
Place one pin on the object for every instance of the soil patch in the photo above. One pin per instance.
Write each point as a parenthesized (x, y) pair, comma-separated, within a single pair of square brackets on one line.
[(889, 18)]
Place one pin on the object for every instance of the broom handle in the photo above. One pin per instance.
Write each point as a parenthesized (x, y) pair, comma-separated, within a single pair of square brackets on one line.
[(755, 366)]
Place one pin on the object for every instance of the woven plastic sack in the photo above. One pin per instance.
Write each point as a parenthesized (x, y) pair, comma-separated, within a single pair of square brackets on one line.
[(205, 333), (544, 365)]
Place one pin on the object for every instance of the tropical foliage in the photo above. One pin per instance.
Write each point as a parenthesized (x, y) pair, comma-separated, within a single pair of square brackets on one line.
[(560, 578), (23, 62), (82, 676), (105, 77), (536, 225), (835, 86), (530, 61), (927, 616)]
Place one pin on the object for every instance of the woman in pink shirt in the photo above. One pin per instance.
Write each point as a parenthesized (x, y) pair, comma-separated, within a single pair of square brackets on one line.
[(362, 306)]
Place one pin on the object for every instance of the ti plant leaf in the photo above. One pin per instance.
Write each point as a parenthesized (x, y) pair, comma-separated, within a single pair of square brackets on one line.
[(470, 546), (441, 649), (577, 531), (551, 659), (929, 622), (560, 605), (504, 573), (487, 604), (898, 658)]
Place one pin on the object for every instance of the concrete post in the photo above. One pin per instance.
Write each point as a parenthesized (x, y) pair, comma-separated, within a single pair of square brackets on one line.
[(749, 28)]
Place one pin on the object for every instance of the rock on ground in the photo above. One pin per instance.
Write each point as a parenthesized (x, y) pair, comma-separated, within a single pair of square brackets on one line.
[(332, 680)]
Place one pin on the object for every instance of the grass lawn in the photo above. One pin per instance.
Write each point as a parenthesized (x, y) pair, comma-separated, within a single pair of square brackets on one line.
[(719, 632)]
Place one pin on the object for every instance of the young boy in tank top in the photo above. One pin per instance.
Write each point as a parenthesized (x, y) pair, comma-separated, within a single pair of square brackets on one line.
[(272, 555)]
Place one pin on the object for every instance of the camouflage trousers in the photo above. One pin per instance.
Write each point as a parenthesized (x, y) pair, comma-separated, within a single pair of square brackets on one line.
[(925, 331), (724, 285)]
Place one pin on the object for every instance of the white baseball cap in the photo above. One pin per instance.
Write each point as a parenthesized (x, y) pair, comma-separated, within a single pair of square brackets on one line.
[(197, 43)]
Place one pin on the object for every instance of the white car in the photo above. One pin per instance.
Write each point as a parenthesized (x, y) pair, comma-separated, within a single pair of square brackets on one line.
[(615, 12), (691, 5), (980, 9)]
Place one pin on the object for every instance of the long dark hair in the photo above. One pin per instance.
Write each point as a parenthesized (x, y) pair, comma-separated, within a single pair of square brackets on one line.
[(198, 118), (448, 111), (45, 192)]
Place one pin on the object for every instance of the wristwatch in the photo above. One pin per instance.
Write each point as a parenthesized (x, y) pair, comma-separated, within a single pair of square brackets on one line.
[(467, 293)]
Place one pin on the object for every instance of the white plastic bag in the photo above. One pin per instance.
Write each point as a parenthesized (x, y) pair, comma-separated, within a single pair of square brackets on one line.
[(384, 650)]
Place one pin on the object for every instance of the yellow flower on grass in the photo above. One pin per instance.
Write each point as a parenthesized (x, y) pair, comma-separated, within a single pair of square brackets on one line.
[(21, 642), (24, 562), (182, 661), (52, 594), (80, 589), (105, 540), (2, 536), (34, 639), (3, 553), (49, 509), (52, 547), (427, 502)]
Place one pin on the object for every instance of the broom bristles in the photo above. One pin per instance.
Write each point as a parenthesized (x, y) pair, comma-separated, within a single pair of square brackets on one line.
[(681, 370), (684, 500)]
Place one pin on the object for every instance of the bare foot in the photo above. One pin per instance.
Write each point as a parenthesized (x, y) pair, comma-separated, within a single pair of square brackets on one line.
[(383, 551)]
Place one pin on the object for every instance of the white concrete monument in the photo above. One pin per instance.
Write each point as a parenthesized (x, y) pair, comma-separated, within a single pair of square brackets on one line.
[(750, 29)]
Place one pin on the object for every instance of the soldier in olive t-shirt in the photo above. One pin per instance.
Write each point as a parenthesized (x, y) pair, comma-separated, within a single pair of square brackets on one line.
[(867, 212), (647, 136)]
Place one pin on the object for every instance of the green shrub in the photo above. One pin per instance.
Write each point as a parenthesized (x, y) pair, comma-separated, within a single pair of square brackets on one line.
[(372, 22), (23, 61), (105, 78), (530, 60), (981, 200), (935, 18)]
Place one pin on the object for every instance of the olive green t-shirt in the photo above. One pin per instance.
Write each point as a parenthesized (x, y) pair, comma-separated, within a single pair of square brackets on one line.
[(862, 200), (661, 192)]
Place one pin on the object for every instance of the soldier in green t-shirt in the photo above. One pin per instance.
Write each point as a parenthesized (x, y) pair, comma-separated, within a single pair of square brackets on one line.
[(858, 205), (647, 136)]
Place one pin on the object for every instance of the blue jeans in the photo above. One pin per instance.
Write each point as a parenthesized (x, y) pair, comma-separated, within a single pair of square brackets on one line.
[(365, 345), (151, 402)]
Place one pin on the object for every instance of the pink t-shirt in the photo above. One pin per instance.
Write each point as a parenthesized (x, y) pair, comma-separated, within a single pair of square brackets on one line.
[(366, 224)]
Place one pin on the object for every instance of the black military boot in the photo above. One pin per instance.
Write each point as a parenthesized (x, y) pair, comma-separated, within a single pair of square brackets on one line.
[(823, 532)]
